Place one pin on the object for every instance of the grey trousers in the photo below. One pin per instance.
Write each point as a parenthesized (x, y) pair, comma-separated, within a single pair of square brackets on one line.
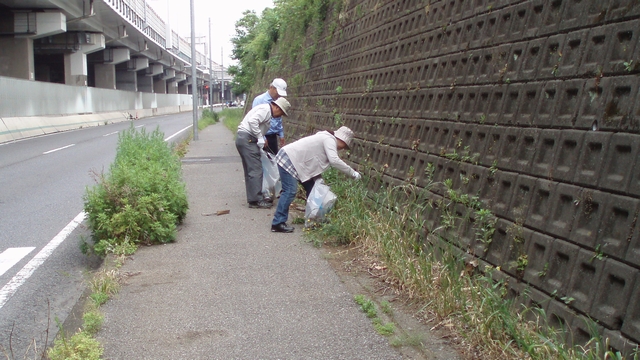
[(250, 153)]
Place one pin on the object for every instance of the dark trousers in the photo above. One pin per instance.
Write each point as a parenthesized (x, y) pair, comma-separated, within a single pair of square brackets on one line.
[(272, 143), (251, 164)]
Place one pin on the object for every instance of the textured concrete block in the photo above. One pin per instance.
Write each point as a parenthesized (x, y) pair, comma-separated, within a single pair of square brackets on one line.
[(583, 330), (570, 96), (535, 22), (562, 259), (551, 57), (521, 198), (617, 225), (545, 152), (467, 104), (516, 257), (565, 206), (477, 179), (496, 100), (532, 57), (486, 67), (622, 9), (506, 185), (624, 38), (619, 102), (591, 209), (612, 293), (478, 143), (572, 52), (514, 62), (538, 254), (509, 114), (496, 251), (552, 17), (488, 188), (491, 153), (535, 304), (560, 317), (529, 99), (541, 203), (501, 63), (510, 141), (520, 14), (631, 323), (567, 155), (618, 343), (586, 273), (549, 98), (592, 155), (525, 150), (573, 15), (623, 150), (592, 104), (595, 54)]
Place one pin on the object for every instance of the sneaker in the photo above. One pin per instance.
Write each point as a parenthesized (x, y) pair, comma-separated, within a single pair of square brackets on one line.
[(260, 205), (282, 227)]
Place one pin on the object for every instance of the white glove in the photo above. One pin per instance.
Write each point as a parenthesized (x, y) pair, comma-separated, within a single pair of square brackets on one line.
[(356, 175), (261, 142)]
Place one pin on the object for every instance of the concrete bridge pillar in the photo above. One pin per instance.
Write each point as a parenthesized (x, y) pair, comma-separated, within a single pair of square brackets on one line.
[(145, 83), (16, 58)]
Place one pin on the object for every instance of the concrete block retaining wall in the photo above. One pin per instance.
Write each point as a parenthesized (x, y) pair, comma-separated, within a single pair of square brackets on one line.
[(529, 105)]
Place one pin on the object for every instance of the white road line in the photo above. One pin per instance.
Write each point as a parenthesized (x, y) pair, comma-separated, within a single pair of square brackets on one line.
[(170, 137), (115, 132), (64, 147), (12, 286), (11, 256)]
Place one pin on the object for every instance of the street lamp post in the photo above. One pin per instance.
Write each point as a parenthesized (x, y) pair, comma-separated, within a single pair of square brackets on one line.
[(194, 73), (210, 69)]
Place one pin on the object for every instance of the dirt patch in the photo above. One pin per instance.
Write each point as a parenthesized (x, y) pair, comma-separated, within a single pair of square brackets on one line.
[(416, 336)]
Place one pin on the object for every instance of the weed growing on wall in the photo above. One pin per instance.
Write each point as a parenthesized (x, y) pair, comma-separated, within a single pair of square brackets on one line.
[(389, 226), (140, 199)]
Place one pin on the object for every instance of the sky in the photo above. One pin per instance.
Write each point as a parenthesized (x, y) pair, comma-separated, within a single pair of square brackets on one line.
[(223, 15)]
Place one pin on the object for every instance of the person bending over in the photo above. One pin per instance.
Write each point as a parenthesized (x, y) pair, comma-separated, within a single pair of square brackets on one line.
[(303, 161), (249, 141)]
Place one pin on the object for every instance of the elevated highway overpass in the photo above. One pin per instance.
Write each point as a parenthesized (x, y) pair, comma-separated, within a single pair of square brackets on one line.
[(71, 63)]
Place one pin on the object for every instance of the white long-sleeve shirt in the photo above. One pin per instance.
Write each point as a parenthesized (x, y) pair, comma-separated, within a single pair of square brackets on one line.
[(257, 121), (312, 155)]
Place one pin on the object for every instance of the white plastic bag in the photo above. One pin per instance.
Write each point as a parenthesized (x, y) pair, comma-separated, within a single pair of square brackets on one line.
[(319, 203), (271, 185)]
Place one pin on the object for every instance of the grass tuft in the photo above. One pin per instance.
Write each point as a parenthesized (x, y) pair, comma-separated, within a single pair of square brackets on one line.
[(390, 227)]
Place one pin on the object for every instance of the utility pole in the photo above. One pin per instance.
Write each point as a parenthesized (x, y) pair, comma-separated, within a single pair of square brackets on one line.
[(194, 73), (210, 69), (222, 72)]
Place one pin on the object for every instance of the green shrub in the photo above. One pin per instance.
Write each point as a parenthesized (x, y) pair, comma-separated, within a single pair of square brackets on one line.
[(141, 198), (81, 346), (208, 118)]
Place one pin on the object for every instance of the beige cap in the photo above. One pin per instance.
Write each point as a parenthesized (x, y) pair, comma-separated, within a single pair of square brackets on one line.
[(345, 134), (283, 104), (280, 85)]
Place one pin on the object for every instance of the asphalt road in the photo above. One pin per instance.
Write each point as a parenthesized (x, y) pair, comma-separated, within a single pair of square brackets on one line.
[(42, 182)]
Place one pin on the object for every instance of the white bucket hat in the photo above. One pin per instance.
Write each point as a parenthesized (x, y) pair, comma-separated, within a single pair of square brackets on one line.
[(283, 104), (345, 134), (280, 85)]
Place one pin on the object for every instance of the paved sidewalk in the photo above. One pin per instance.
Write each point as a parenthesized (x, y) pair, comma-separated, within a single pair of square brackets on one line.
[(229, 288)]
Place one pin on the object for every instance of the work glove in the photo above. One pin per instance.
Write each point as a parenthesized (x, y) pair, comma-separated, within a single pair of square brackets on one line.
[(356, 175), (261, 142)]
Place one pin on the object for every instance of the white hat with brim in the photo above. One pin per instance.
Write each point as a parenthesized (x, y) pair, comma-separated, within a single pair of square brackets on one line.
[(280, 85), (284, 105), (345, 134)]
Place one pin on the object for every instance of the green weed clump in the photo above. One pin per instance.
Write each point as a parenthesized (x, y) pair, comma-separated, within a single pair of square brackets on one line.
[(389, 226), (80, 346), (232, 118), (207, 118), (142, 197)]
